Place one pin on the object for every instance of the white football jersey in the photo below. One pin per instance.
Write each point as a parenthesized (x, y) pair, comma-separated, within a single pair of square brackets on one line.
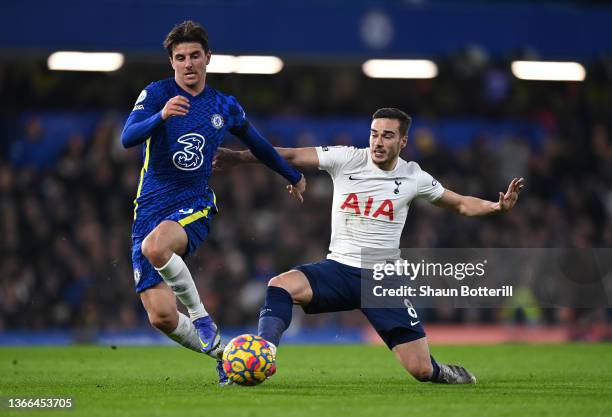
[(370, 205)]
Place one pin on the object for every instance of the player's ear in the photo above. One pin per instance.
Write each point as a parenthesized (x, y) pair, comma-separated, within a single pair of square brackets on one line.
[(208, 55), (403, 141)]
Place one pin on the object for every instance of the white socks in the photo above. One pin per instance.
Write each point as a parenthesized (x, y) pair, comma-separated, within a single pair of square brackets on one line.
[(186, 334), (176, 274)]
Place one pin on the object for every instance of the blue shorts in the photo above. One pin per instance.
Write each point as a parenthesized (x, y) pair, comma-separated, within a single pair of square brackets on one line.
[(195, 219), (337, 287)]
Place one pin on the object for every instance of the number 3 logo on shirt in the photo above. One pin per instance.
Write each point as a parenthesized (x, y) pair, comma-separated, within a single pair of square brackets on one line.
[(190, 158)]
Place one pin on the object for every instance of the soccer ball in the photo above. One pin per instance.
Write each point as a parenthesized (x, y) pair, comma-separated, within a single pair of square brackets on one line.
[(248, 360)]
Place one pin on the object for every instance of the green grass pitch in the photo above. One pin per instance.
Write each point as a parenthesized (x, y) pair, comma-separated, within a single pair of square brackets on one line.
[(339, 380)]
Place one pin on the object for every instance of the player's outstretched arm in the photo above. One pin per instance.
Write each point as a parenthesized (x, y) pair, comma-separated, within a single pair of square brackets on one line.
[(298, 157), (265, 152), (473, 206)]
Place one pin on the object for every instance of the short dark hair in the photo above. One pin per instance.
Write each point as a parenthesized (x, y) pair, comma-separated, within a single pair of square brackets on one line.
[(188, 31), (391, 113)]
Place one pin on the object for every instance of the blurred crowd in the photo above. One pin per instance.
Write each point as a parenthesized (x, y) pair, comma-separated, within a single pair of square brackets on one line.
[(65, 227)]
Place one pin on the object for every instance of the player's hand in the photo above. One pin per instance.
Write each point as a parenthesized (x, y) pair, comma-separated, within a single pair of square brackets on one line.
[(176, 106), (296, 190), (508, 200), (225, 159)]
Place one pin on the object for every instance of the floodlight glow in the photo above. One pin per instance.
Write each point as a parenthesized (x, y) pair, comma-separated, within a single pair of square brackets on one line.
[(246, 64), (400, 68), (254, 64), (221, 64), (85, 61), (548, 71)]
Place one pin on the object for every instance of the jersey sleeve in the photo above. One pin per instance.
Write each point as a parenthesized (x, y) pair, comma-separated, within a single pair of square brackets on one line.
[(236, 116), (145, 116), (265, 152), (428, 187), (333, 158), (150, 101)]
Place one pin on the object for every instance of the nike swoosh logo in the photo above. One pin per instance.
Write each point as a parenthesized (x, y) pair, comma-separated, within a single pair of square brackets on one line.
[(204, 345), (412, 323), (352, 179)]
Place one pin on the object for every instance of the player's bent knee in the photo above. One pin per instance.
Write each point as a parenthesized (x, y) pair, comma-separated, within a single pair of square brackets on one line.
[(280, 282), (276, 281), (284, 281), (420, 371), (414, 357), (422, 374), (296, 284), (148, 247), (154, 251)]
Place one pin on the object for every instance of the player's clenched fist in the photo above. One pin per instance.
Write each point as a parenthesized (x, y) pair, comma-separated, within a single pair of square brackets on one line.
[(176, 106)]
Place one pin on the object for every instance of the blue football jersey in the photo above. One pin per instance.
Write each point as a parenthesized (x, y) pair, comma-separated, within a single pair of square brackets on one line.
[(178, 155)]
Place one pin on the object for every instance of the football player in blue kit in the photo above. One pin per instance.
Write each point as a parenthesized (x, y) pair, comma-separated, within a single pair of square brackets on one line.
[(180, 122)]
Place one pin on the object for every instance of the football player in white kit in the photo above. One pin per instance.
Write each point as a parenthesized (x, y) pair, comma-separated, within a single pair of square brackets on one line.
[(373, 189)]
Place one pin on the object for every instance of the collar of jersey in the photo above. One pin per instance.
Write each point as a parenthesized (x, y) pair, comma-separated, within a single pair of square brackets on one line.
[(188, 94)]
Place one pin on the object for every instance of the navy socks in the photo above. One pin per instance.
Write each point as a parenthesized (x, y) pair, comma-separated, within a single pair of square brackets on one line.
[(275, 316), (436, 369)]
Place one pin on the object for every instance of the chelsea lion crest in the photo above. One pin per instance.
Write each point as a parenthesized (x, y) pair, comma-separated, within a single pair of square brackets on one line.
[(217, 121)]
